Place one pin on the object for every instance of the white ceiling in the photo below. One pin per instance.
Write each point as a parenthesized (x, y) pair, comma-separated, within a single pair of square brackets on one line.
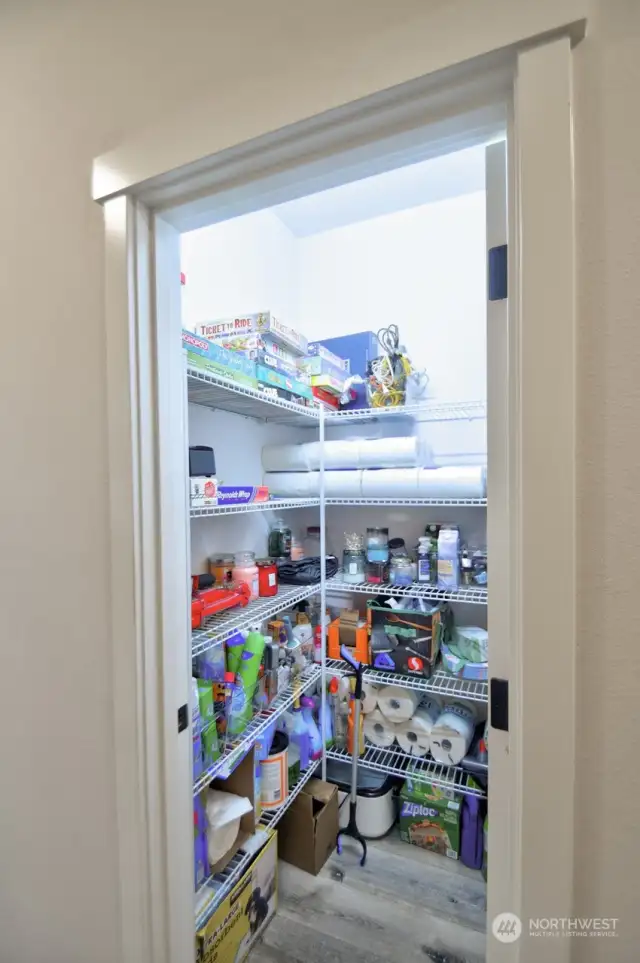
[(433, 180)]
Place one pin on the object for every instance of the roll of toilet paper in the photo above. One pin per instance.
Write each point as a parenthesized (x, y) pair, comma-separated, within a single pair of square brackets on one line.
[(378, 730), (414, 736), (286, 458), (397, 704), (390, 482), (369, 697), (341, 484), (292, 484), (456, 481), (452, 733)]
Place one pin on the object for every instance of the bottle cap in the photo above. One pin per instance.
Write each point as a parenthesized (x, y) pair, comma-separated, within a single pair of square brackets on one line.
[(229, 677), (334, 684)]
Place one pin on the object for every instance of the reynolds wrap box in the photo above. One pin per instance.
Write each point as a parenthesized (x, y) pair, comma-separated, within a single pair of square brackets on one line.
[(430, 818), (262, 322), (238, 495), (240, 919), (217, 360)]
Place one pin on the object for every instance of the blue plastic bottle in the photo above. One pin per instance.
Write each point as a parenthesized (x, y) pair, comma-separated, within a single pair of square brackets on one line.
[(299, 735), (312, 727)]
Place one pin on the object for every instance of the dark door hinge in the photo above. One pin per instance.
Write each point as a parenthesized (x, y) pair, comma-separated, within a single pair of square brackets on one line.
[(499, 704), (183, 718), (497, 273)]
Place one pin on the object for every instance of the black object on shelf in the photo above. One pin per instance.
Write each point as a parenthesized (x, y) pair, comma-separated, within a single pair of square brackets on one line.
[(201, 461), (306, 571)]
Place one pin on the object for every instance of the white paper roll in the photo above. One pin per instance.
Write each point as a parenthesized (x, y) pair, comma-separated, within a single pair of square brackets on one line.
[(389, 482), (378, 730), (341, 484), (452, 733), (292, 484), (414, 736), (369, 696), (396, 703), (392, 453), (286, 458), (459, 481)]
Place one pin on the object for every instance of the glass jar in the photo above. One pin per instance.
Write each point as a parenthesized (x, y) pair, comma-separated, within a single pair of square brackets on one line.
[(401, 570), (267, 577), (245, 570), (376, 573), (279, 540), (397, 546), (221, 567), (377, 544), (311, 542), (353, 566)]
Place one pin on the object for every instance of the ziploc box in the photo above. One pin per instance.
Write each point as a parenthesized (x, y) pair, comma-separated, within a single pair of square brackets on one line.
[(211, 357), (273, 378), (262, 322), (430, 820), (241, 918)]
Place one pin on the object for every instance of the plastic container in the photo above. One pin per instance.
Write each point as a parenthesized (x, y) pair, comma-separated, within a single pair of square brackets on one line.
[(245, 570), (267, 577), (401, 570), (448, 548), (280, 540), (424, 559), (377, 544), (299, 736), (353, 566), (376, 811), (311, 542)]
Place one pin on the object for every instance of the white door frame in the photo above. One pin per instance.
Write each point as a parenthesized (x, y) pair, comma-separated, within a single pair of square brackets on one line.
[(535, 764)]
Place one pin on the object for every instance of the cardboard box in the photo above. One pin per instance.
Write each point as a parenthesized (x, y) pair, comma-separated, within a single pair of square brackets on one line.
[(260, 322), (242, 782), (348, 629), (319, 349), (357, 349), (320, 366), (268, 376), (215, 359), (259, 347), (308, 830), (240, 919), (328, 383), (326, 398), (237, 495), (270, 391), (405, 641), (429, 820), (203, 491)]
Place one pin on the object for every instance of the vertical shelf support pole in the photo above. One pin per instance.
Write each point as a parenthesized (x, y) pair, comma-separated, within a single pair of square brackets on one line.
[(323, 599)]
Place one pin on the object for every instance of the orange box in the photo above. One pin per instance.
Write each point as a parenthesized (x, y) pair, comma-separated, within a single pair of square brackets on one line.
[(347, 630)]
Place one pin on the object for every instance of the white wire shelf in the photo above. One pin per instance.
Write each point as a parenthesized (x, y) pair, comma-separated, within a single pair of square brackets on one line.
[(411, 502), (240, 745), (441, 683), (471, 595), (213, 391), (219, 628), (274, 504), (218, 886), (395, 762), (424, 411)]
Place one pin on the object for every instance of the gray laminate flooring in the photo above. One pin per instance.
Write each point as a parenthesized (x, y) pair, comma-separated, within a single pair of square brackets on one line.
[(405, 904)]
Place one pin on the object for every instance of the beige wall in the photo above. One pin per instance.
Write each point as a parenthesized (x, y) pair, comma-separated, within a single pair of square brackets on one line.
[(75, 79)]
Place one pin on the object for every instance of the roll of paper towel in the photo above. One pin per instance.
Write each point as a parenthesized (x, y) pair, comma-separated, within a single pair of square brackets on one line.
[(452, 733), (403, 452), (414, 736), (341, 484), (369, 696), (457, 481), (286, 458), (390, 482), (292, 484), (378, 730), (397, 704)]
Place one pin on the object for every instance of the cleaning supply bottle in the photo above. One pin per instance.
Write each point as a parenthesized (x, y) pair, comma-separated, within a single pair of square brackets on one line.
[(247, 679), (339, 718), (298, 733), (312, 727)]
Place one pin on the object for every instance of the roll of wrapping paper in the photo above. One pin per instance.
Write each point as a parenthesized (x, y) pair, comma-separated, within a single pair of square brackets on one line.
[(246, 680), (235, 647)]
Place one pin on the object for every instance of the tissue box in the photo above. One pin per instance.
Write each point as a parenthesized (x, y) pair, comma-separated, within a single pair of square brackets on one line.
[(430, 822), (240, 919), (275, 379), (203, 491), (261, 322), (218, 360)]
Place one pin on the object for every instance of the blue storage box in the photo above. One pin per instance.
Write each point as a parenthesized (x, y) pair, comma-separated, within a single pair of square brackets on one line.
[(358, 349)]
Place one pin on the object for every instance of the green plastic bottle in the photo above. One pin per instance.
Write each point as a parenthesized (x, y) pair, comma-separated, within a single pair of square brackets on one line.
[(247, 680)]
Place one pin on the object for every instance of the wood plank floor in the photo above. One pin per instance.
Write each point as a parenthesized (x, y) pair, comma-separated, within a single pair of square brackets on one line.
[(405, 904)]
